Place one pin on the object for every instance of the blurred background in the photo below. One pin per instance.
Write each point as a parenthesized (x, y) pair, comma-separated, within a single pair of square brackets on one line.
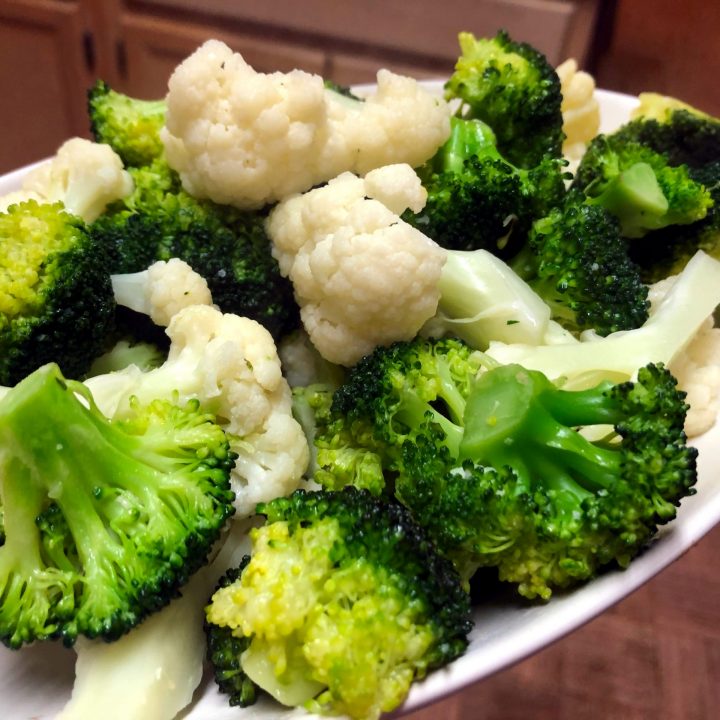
[(52, 50), (657, 654)]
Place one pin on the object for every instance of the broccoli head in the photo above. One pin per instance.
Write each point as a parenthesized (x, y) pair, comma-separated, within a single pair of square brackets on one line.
[(477, 199), (228, 247), (368, 606), (506, 479), (224, 649), (578, 263), (684, 137), (103, 519), (390, 397), (638, 185), (56, 298), (130, 126), (513, 88), (537, 499), (667, 251)]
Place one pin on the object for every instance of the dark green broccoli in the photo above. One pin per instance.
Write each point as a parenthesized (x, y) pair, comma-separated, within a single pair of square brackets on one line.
[(228, 247), (577, 262), (638, 185), (224, 650), (684, 137), (500, 475), (56, 298), (103, 519), (477, 199), (667, 251), (513, 88), (389, 397), (129, 125), (368, 606)]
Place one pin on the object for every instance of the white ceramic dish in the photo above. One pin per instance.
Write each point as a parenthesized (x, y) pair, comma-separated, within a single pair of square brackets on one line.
[(36, 682)]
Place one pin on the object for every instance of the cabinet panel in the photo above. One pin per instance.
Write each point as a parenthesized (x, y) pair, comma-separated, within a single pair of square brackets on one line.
[(153, 47), (42, 77), (557, 27)]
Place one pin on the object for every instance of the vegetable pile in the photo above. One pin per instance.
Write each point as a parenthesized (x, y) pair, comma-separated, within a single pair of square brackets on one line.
[(283, 368)]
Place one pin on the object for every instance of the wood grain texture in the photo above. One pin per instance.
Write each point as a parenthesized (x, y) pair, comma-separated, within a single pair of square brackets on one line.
[(654, 656)]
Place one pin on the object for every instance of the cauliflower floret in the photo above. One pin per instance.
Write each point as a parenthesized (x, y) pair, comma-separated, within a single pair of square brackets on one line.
[(580, 109), (162, 290), (230, 364), (696, 368), (361, 276), (245, 138), (84, 176), (698, 373)]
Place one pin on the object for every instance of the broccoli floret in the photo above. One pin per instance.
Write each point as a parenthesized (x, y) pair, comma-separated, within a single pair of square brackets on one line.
[(477, 199), (130, 126), (228, 247), (368, 606), (531, 496), (224, 650), (513, 88), (56, 298), (104, 520), (639, 186), (577, 261), (684, 137), (667, 252), (500, 475), (390, 397)]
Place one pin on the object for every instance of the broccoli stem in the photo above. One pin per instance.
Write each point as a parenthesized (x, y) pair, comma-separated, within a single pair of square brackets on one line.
[(412, 411), (509, 417), (468, 138), (635, 197)]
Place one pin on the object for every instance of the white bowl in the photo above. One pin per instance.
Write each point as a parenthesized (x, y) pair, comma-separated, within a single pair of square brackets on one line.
[(36, 682)]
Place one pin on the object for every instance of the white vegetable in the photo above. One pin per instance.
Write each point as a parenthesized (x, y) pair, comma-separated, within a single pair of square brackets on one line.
[(162, 290), (83, 175), (245, 138), (231, 365), (580, 109), (665, 335), (482, 299), (17, 196), (153, 671), (697, 368), (361, 276)]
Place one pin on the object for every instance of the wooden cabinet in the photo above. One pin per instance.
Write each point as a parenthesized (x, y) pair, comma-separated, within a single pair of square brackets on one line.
[(152, 47), (46, 63), (51, 51)]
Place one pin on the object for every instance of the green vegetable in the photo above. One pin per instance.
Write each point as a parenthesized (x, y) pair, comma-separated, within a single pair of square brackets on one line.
[(668, 251), (513, 88), (130, 126), (345, 602), (228, 247), (639, 186), (576, 260), (494, 466), (478, 199), (56, 299), (103, 519)]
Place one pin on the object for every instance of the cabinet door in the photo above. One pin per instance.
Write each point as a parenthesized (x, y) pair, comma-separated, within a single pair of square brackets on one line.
[(151, 48), (43, 78)]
